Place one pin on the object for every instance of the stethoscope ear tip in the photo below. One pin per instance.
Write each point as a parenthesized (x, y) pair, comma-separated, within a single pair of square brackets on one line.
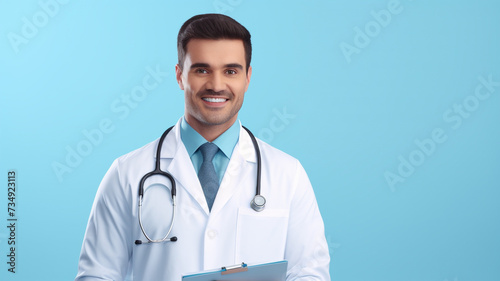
[(140, 242)]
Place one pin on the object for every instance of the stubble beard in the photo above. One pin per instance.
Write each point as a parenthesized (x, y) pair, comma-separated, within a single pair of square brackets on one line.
[(214, 117)]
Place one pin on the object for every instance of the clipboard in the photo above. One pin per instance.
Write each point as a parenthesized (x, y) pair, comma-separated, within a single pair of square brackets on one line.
[(274, 271)]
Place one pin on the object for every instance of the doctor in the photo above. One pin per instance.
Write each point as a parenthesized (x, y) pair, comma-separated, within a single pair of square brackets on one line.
[(215, 224)]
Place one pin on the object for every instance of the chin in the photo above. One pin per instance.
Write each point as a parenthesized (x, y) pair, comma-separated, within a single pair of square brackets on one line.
[(217, 120)]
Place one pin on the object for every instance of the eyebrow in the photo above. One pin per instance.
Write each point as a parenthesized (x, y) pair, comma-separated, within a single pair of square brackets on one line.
[(206, 65)]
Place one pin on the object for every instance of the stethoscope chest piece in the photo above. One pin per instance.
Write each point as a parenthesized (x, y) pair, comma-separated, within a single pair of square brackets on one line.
[(258, 203)]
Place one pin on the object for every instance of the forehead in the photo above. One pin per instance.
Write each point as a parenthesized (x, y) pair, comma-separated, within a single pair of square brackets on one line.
[(215, 52)]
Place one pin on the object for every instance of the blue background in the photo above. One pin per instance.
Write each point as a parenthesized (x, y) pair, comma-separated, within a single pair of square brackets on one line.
[(356, 107)]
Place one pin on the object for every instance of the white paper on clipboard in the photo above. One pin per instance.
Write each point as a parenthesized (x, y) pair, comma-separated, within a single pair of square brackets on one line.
[(274, 271)]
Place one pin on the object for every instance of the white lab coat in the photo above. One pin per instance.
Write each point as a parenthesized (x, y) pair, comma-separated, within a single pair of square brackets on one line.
[(290, 228)]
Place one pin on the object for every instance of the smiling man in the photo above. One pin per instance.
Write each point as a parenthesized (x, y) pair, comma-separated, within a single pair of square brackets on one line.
[(214, 76), (235, 199)]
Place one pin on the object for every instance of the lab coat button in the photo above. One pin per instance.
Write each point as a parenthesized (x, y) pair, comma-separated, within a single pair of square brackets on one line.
[(211, 233)]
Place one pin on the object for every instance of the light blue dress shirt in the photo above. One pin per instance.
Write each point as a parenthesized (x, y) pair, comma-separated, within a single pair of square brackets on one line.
[(226, 142)]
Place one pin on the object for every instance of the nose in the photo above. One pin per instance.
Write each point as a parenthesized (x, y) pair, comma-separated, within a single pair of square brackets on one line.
[(216, 83)]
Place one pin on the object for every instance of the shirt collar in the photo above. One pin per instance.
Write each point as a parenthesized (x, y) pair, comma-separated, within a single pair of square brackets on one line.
[(193, 140)]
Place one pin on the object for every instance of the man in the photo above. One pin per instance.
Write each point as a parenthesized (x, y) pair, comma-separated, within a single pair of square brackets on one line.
[(215, 224)]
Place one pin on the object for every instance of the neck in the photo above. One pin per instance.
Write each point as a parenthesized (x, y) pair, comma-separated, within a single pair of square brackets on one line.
[(208, 131)]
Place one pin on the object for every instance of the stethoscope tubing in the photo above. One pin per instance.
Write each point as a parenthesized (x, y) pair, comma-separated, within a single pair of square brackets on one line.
[(257, 203), (257, 151), (171, 224)]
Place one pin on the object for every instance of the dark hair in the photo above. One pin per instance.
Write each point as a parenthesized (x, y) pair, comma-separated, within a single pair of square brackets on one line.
[(212, 26)]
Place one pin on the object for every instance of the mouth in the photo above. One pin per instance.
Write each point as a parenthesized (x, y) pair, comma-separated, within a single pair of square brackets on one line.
[(215, 100)]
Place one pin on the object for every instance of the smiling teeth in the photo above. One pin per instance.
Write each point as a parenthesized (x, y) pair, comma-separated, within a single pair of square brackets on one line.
[(214, 99)]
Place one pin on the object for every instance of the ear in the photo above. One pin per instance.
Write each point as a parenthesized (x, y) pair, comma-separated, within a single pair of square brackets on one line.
[(178, 76), (249, 75)]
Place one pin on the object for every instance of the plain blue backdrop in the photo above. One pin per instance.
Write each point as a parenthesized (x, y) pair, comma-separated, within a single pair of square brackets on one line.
[(393, 108)]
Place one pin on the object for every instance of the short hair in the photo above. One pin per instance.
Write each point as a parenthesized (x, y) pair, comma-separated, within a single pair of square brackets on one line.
[(212, 26)]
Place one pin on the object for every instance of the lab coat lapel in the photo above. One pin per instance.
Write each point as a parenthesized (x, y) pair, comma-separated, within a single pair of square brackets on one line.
[(181, 168), (238, 171)]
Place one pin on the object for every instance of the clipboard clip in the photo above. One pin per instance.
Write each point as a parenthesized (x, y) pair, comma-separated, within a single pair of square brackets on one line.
[(234, 268)]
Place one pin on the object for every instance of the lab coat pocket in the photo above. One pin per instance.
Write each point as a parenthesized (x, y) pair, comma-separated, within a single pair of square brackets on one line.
[(261, 236)]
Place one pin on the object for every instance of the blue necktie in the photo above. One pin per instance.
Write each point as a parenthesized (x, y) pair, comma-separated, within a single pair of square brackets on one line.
[(207, 175)]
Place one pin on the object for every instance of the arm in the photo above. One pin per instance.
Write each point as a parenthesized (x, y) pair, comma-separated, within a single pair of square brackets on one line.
[(106, 248), (306, 247)]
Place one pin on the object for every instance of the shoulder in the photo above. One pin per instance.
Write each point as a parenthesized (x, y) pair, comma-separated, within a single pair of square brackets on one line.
[(126, 171), (274, 153), (269, 154), (137, 162), (146, 151), (279, 162)]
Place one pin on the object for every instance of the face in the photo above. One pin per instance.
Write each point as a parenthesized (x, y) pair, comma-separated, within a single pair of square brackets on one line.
[(214, 80)]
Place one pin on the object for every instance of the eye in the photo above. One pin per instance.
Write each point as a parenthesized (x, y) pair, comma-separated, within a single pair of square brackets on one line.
[(201, 71), (231, 72)]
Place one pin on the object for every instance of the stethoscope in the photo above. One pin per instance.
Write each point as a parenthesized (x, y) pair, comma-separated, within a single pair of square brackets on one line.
[(258, 202)]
